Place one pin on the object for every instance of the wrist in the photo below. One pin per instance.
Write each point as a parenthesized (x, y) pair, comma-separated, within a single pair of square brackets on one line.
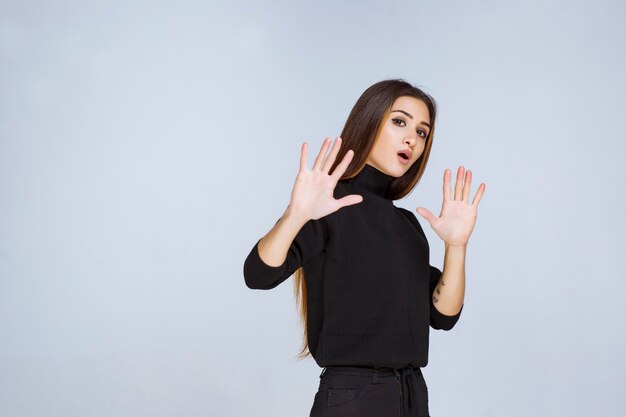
[(295, 216), (455, 246)]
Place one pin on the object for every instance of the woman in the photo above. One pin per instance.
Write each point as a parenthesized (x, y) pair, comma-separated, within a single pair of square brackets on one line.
[(366, 289)]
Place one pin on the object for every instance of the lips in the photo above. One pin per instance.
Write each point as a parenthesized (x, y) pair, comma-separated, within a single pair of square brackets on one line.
[(406, 154)]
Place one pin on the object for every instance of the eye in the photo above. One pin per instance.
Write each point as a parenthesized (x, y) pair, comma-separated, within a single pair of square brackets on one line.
[(422, 133), (397, 121)]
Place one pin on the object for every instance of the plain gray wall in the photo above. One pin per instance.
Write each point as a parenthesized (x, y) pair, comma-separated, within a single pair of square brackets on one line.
[(146, 146)]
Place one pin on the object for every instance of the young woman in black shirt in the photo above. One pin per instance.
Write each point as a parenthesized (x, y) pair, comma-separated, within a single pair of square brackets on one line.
[(366, 291)]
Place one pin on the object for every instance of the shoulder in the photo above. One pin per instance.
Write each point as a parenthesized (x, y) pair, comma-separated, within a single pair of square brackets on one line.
[(412, 218), (407, 213)]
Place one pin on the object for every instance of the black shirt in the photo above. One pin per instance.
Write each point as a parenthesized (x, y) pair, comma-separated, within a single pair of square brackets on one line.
[(368, 279)]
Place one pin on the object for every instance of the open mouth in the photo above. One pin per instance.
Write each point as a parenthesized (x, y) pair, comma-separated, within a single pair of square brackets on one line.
[(403, 158)]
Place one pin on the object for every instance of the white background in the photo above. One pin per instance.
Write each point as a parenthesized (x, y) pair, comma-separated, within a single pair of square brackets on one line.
[(146, 146)]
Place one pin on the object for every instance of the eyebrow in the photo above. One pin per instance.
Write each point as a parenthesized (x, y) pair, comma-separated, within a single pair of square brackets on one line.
[(411, 117)]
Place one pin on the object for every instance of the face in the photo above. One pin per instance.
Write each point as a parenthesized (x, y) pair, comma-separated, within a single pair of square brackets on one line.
[(405, 129)]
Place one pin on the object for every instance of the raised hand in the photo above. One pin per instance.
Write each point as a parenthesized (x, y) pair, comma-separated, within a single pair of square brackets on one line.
[(458, 216), (312, 194)]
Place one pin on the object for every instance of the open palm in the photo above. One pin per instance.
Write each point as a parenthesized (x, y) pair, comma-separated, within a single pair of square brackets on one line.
[(458, 216), (312, 195)]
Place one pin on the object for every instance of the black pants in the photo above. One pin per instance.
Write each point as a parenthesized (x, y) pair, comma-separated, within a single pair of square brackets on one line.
[(348, 391)]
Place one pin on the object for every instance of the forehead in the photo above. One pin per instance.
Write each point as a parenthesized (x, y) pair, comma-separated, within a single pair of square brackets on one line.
[(417, 108)]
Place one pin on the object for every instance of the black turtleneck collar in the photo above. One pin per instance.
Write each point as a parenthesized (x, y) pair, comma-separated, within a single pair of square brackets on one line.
[(373, 180)]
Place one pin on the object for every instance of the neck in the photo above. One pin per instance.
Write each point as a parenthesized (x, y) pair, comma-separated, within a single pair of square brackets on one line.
[(373, 180)]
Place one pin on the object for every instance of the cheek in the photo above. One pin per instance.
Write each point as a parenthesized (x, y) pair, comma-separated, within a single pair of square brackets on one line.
[(379, 145), (386, 139), (419, 149)]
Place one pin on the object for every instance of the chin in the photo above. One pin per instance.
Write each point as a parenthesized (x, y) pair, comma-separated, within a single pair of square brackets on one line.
[(393, 169), (396, 172)]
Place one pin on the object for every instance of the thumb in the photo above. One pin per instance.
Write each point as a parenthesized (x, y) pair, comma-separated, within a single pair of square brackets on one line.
[(349, 200), (425, 213)]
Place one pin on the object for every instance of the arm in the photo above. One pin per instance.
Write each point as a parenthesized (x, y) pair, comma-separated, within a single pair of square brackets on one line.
[(290, 244), (454, 226), (441, 318), (274, 245), (449, 294), (300, 235)]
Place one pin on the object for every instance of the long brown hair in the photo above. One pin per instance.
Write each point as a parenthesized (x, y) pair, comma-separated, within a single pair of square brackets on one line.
[(361, 129)]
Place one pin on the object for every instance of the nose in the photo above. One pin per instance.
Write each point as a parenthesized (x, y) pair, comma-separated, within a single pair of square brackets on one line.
[(410, 141)]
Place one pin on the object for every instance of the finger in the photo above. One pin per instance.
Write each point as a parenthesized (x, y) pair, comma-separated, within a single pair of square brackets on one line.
[(343, 165), (333, 154), (446, 185), (479, 194), (458, 184), (320, 155), (425, 213), (349, 200), (303, 150), (466, 185)]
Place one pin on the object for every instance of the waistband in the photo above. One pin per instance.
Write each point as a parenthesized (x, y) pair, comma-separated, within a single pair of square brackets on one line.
[(407, 378), (358, 370)]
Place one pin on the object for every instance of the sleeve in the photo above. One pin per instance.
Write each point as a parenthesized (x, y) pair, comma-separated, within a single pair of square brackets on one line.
[(438, 320), (306, 247)]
